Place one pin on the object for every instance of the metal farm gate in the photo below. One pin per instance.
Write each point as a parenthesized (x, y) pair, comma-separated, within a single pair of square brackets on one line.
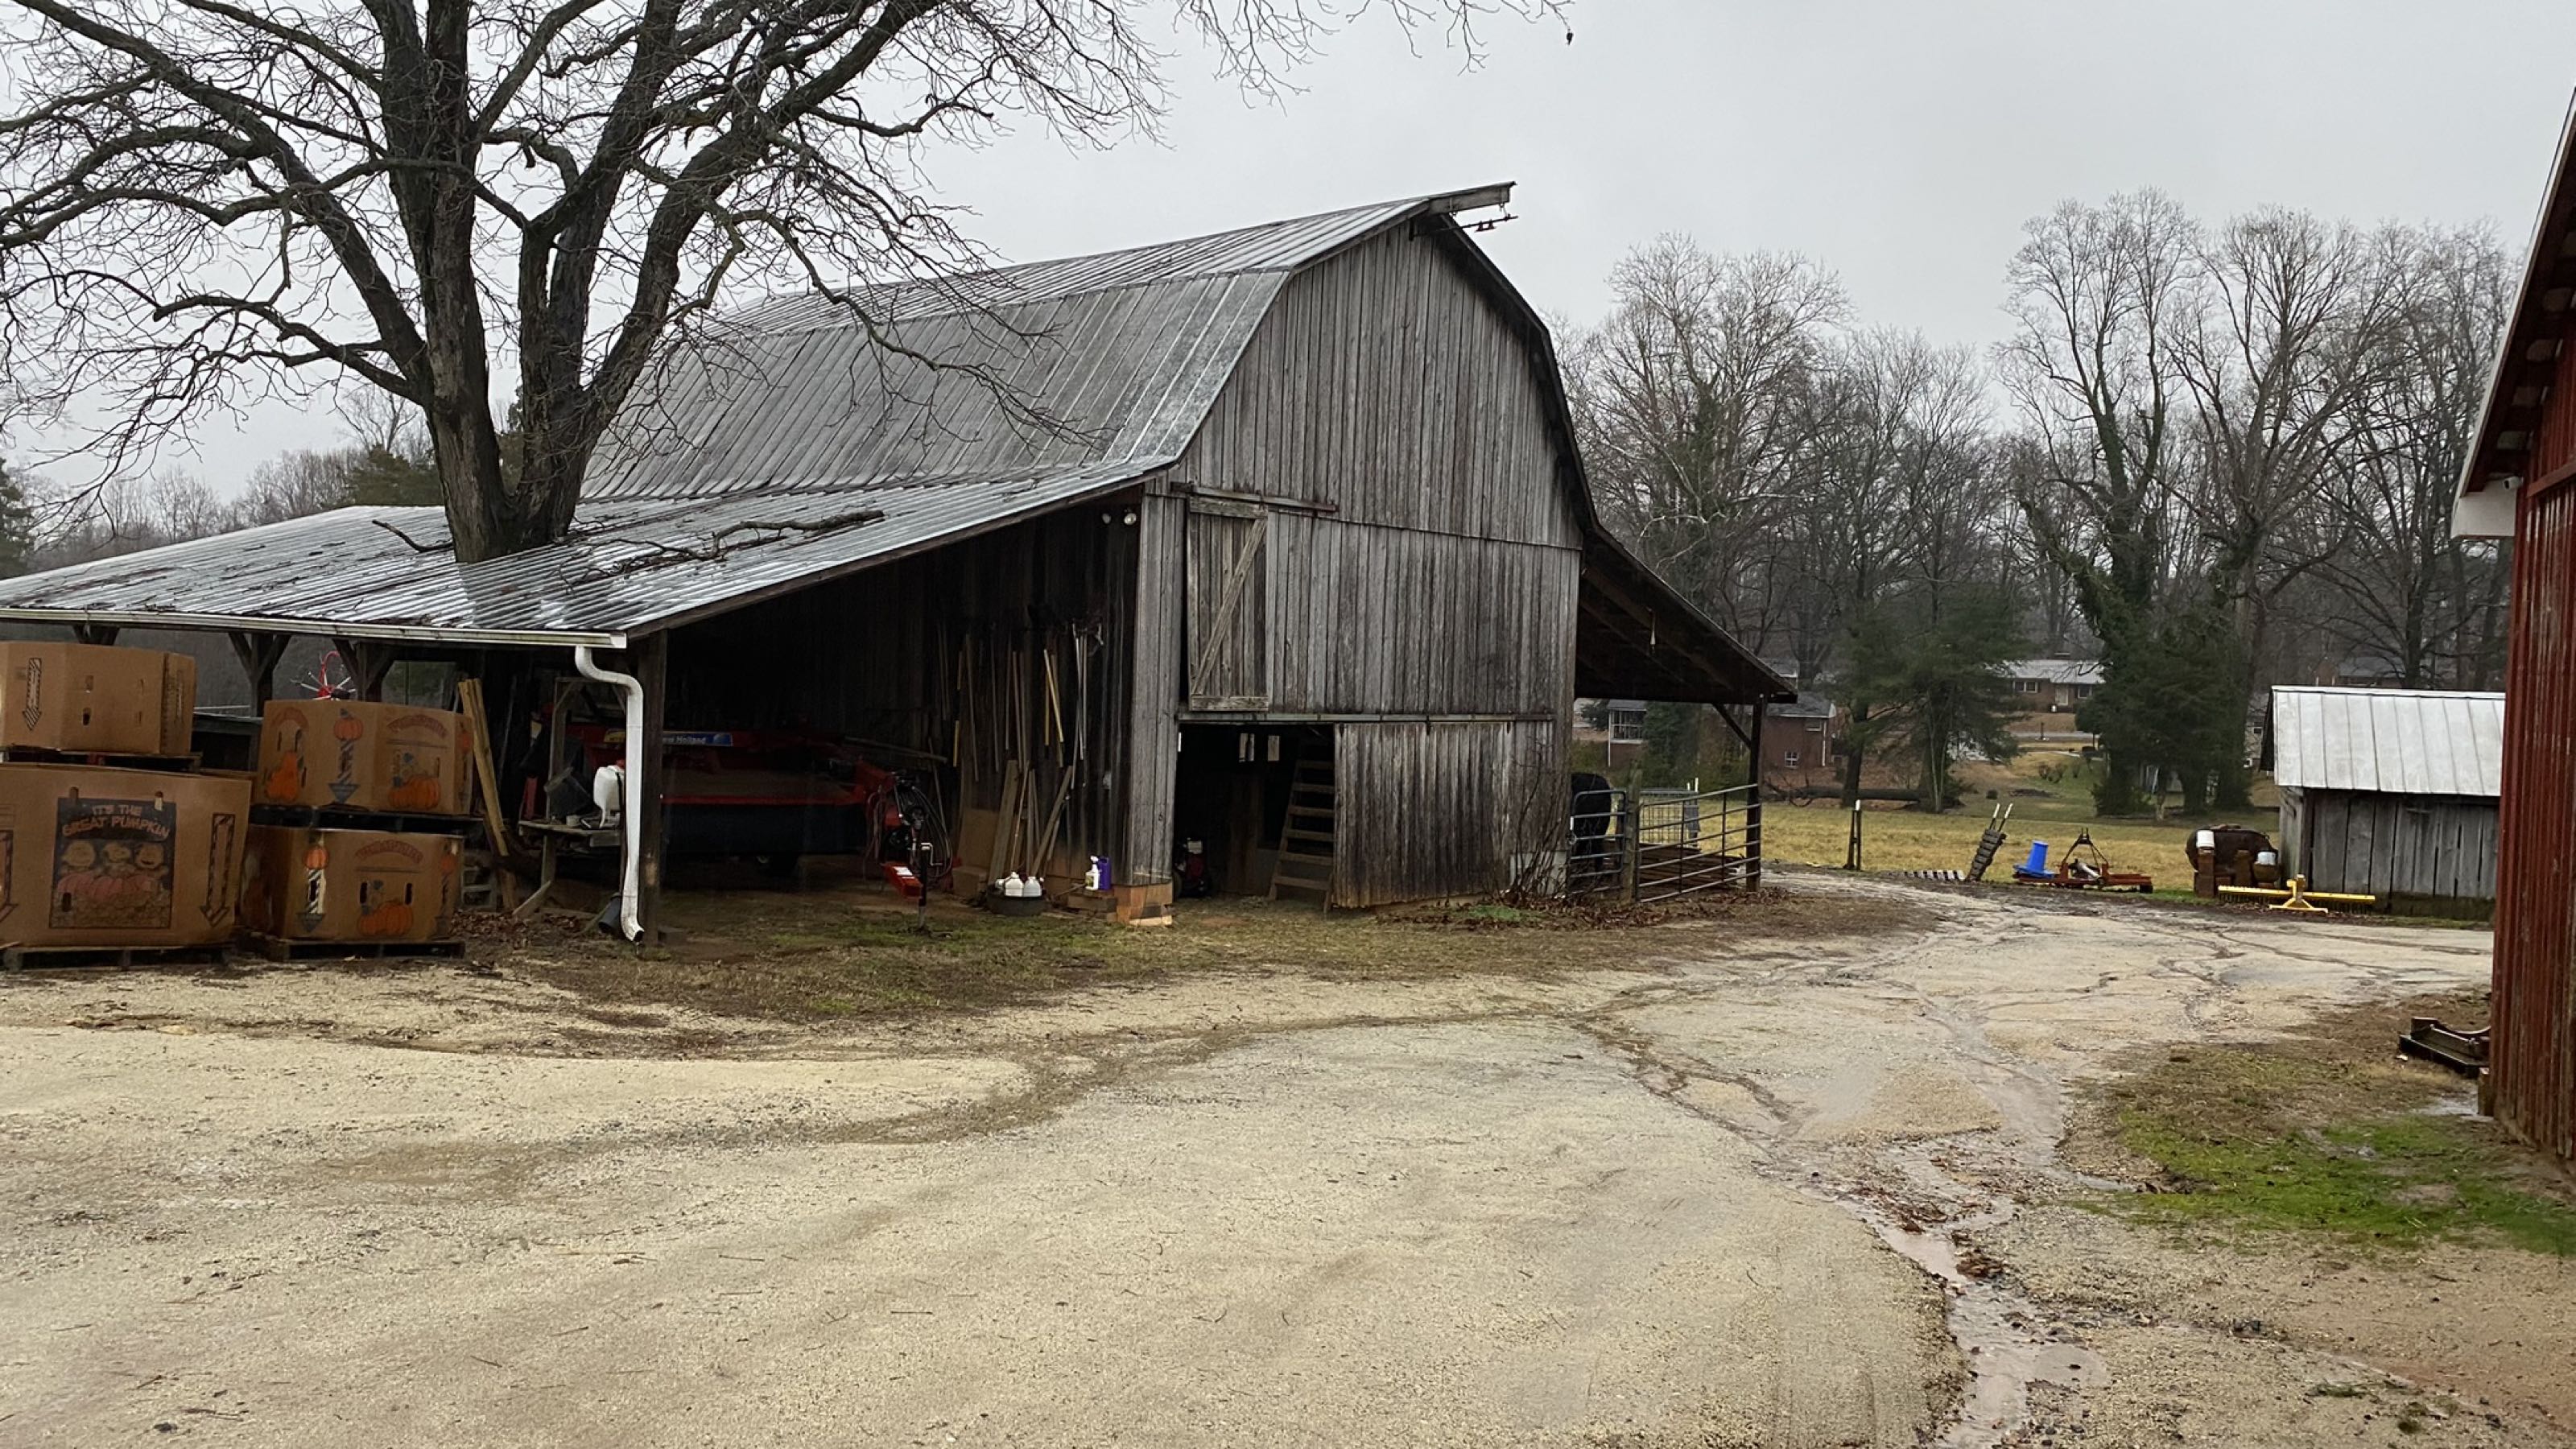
[(1662, 845)]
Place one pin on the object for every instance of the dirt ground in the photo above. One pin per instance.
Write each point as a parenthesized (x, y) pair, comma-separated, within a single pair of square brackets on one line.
[(1690, 1187)]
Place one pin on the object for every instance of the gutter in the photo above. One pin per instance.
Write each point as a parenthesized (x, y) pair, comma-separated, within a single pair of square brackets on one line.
[(630, 879)]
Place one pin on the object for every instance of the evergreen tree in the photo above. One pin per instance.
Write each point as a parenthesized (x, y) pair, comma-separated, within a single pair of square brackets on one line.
[(17, 525), (1928, 670)]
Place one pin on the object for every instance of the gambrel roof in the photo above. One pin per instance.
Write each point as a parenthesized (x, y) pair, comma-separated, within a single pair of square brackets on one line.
[(803, 439), (796, 414)]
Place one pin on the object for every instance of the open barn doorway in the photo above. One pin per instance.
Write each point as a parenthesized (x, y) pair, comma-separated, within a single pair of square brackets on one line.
[(1233, 789)]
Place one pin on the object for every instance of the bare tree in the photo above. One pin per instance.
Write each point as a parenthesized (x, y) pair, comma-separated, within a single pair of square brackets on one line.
[(2403, 590), (204, 199), (1697, 401), (293, 485), (2285, 341), (2102, 295), (1893, 506)]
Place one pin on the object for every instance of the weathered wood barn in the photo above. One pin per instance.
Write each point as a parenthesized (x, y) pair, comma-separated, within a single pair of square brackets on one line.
[(1277, 540), (2517, 485), (2391, 793)]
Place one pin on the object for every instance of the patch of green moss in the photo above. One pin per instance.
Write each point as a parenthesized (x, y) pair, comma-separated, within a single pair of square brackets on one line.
[(2328, 1135)]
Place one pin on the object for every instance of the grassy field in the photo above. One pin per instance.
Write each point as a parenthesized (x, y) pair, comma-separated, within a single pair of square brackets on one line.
[(2051, 799)]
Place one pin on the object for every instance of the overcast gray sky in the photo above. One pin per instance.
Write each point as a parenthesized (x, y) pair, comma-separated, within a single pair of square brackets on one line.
[(1900, 142)]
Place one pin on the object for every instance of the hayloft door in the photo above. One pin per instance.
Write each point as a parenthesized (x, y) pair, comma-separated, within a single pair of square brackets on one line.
[(1229, 626)]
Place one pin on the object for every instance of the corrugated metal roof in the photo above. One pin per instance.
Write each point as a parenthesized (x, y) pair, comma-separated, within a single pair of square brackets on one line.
[(949, 407), (2392, 741), (632, 565), (1052, 365), (1277, 246)]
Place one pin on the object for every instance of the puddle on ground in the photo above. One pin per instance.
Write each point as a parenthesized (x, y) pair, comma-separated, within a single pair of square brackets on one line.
[(2008, 1348)]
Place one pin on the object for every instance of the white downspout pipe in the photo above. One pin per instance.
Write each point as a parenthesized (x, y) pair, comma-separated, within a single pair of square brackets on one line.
[(629, 885)]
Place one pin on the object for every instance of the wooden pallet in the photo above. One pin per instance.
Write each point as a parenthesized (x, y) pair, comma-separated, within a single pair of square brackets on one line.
[(281, 948), (342, 817), (112, 958), (31, 755)]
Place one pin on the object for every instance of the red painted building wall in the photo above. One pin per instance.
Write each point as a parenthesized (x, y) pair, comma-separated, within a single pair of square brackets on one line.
[(2533, 1073)]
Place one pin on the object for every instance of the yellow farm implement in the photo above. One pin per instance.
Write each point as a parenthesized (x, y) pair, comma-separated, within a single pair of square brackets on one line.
[(2295, 896)]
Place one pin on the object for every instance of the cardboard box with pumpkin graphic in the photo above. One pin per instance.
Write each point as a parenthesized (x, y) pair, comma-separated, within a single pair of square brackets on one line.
[(310, 884), (104, 857), (393, 758), (97, 699)]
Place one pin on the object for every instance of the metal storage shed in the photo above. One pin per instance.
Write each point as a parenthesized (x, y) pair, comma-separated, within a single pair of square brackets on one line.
[(1306, 489), (2391, 792)]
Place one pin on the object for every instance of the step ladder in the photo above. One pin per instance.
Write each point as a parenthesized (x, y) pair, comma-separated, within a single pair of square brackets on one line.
[(479, 881), (1306, 843)]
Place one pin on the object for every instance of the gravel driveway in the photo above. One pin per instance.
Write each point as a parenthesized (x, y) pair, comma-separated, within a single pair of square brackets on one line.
[(1706, 1199)]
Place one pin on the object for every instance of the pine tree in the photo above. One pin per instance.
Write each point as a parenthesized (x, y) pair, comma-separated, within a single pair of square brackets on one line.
[(17, 525)]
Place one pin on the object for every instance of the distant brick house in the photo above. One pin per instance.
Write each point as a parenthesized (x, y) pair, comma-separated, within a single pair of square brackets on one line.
[(2053, 686), (1798, 741)]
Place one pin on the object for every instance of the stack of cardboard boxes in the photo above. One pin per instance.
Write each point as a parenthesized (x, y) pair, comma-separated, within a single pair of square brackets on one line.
[(114, 842), (359, 814), (110, 839)]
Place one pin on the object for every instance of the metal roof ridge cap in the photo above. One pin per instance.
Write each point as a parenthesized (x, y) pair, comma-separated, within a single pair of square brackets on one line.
[(1400, 209), (809, 329)]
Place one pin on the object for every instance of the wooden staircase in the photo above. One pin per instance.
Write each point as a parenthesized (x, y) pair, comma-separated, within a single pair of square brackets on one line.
[(1306, 844)]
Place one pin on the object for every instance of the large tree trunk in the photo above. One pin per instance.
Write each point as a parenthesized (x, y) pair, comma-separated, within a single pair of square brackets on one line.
[(483, 513), (502, 500), (1852, 755)]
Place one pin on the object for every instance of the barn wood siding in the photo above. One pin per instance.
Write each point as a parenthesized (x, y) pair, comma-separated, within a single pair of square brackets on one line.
[(1370, 620), (2534, 1050), (1153, 733), (2423, 853), (1445, 808), (1384, 383), (1443, 577), (1419, 554), (2293, 843), (881, 656)]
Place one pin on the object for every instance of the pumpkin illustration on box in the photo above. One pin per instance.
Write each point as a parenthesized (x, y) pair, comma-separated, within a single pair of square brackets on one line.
[(419, 742), (415, 783), (348, 729), (285, 782), (387, 867), (381, 911)]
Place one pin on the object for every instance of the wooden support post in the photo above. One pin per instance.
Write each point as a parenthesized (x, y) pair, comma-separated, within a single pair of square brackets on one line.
[(369, 661), (1631, 822), (649, 658), (94, 633), (259, 653), (1753, 809), (487, 771), (1150, 768)]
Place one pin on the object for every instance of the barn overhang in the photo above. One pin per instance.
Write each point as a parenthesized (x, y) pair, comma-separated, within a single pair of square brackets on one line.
[(2522, 443), (631, 567), (1635, 638)]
